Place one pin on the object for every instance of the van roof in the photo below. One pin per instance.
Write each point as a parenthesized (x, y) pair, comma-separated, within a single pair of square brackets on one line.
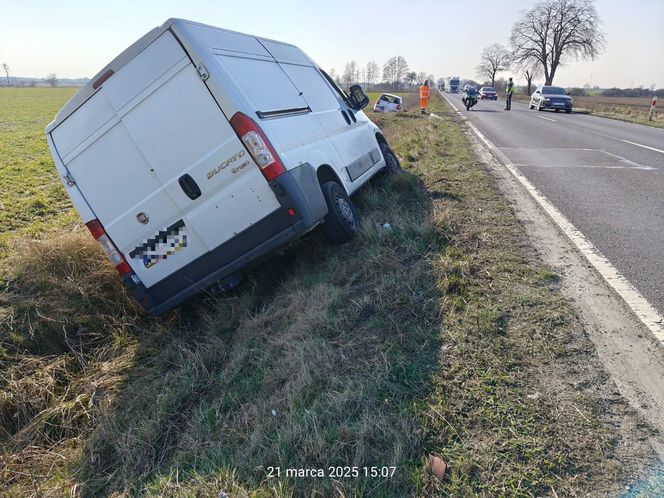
[(127, 55)]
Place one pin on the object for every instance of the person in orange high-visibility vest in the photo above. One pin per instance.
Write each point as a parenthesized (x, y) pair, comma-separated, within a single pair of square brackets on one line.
[(424, 96)]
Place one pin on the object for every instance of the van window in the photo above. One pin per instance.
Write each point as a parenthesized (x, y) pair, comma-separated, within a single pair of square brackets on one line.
[(315, 90), (336, 87), (263, 83)]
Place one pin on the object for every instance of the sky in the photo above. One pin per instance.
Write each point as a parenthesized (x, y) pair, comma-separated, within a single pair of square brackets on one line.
[(76, 38)]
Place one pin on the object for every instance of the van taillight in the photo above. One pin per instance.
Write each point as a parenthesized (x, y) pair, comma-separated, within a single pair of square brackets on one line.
[(258, 145), (115, 256)]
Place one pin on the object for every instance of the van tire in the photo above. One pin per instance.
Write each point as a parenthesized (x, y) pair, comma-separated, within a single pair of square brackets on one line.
[(342, 221), (392, 164)]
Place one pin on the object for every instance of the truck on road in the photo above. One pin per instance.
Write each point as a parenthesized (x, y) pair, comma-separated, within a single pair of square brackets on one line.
[(452, 84)]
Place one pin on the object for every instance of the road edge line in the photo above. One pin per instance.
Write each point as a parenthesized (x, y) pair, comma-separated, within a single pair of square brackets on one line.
[(639, 305)]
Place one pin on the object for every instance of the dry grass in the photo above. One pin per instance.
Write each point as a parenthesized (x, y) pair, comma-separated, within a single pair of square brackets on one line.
[(633, 110), (425, 338)]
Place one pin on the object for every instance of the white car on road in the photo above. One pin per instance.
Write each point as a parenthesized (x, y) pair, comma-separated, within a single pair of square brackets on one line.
[(551, 97)]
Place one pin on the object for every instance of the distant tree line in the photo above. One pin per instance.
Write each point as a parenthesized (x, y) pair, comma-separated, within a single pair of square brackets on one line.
[(8, 80), (395, 75), (632, 92)]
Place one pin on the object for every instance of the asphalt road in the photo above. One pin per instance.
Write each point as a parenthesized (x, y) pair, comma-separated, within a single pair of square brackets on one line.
[(605, 176)]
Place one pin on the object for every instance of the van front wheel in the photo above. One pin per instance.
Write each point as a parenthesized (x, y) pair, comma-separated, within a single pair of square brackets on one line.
[(342, 221), (392, 164)]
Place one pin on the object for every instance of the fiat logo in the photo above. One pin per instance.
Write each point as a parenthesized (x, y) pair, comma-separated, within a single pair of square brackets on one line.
[(142, 218)]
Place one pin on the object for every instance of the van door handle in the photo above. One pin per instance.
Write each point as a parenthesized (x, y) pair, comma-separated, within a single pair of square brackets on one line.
[(190, 187), (345, 116)]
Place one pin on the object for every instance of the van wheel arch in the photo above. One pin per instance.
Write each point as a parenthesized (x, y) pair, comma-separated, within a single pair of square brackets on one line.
[(394, 166), (325, 174), (381, 139)]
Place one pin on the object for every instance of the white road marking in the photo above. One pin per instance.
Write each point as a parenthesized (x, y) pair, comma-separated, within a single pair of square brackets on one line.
[(589, 166), (640, 145), (548, 119), (450, 102), (629, 163), (650, 317), (626, 141), (545, 148)]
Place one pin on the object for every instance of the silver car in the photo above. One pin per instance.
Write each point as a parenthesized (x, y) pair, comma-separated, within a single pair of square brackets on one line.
[(551, 97)]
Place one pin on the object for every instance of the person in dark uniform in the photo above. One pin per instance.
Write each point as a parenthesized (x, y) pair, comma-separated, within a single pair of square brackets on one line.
[(508, 95)]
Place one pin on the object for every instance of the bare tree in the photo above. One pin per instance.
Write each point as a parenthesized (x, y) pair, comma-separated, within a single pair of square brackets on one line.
[(494, 59), (421, 76), (554, 31), (410, 78), (530, 69), (440, 84), (388, 70), (400, 68), (394, 70), (372, 72), (349, 75), (52, 80), (5, 66)]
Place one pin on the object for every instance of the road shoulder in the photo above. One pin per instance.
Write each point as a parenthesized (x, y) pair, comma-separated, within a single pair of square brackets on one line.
[(619, 343)]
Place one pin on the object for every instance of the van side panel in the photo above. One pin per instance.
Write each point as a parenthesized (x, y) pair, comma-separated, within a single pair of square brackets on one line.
[(263, 83), (353, 142), (284, 52), (239, 67), (222, 39), (294, 136)]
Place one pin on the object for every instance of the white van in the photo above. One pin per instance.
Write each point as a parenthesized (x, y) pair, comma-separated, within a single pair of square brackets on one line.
[(199, 150)]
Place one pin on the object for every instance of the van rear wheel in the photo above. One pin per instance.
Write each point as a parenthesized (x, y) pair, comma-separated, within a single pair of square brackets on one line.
[(342, 221), (392, 164)]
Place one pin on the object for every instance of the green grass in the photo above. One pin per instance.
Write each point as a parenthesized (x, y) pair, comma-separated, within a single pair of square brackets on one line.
[(423, 339), (32, 199)]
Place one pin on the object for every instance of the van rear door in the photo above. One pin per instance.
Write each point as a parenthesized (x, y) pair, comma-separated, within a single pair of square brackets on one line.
[(159, 163)]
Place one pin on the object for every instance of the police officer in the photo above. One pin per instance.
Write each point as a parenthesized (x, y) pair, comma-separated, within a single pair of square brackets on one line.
[(508, 95)]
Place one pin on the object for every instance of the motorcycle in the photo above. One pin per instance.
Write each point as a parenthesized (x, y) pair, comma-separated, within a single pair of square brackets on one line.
[(470, 97)]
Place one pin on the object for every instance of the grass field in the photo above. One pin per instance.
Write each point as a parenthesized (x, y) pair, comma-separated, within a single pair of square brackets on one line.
[(32, 199), (426, 339)]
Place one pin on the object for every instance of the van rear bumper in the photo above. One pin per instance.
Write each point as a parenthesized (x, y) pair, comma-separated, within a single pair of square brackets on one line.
[(296, 189)]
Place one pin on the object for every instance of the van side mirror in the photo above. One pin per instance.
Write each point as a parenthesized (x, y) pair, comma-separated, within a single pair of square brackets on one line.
[(358, 99)]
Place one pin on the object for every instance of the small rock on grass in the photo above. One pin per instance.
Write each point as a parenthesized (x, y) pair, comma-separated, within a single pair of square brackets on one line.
[(438, 466)]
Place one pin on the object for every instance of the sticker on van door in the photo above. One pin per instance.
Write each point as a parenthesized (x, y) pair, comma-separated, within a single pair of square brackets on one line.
[(165, 243)]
